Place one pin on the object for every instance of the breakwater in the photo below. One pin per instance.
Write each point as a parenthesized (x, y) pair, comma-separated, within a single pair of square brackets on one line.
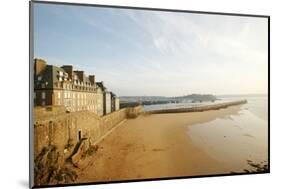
[(198, 108)]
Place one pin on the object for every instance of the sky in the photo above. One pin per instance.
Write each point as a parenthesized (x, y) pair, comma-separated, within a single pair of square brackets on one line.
[(142, 52)]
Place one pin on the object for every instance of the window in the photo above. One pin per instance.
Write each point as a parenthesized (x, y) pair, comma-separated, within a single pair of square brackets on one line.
[(39, 78), (79, 135), (43, 95), (58, 95), (43, 85), (43, 103)]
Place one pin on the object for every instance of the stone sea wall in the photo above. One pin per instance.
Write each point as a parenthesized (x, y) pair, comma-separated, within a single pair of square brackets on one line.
[(61, 137), (56, 127)]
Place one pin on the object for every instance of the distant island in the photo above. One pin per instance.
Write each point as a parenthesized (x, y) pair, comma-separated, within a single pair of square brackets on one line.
[(130, 101)]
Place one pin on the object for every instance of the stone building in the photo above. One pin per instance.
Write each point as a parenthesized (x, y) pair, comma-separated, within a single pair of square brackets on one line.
[(117, 103), (107, 99), (63, 86), (114, 102)]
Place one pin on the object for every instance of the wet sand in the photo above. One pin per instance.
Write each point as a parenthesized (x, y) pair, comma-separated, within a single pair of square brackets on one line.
[(153, 146)]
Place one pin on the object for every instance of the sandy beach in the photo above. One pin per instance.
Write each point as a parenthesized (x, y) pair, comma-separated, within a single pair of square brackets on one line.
[(154, 146)]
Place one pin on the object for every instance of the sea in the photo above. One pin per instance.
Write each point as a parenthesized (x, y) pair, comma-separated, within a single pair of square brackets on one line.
[(238, 141), (257, 104)]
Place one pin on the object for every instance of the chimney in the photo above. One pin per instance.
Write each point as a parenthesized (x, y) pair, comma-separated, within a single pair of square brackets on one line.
[(39, 66), (69, 70), (80, 75), (92, 79)]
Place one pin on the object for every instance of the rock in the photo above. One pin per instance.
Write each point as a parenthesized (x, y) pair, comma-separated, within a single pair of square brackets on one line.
[(79, 151)]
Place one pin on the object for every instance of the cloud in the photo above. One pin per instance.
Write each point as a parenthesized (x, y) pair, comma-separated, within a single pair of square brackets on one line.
[(139, 52), (209, 46)]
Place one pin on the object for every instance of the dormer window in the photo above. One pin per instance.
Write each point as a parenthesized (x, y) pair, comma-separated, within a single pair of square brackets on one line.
[(60, 73)]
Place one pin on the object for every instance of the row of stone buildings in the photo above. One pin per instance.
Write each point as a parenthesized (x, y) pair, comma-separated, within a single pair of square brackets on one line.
[(63, 86)]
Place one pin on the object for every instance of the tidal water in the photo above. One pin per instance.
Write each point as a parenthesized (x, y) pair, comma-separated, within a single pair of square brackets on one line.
[(178, 105), (257, 104), (236, 138)]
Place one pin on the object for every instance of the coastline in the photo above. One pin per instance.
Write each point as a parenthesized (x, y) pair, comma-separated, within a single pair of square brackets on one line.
[(199, 108), (153, 146)]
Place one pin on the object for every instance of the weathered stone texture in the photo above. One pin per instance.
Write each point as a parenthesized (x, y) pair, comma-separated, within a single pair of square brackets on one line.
[(67, 136), (59, 129)]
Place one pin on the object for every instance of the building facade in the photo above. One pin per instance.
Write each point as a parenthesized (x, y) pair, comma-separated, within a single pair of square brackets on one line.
[(63, 86), (115, 103)]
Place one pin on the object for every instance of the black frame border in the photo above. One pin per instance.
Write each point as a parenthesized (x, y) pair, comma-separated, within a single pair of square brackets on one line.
[(31, 56)]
